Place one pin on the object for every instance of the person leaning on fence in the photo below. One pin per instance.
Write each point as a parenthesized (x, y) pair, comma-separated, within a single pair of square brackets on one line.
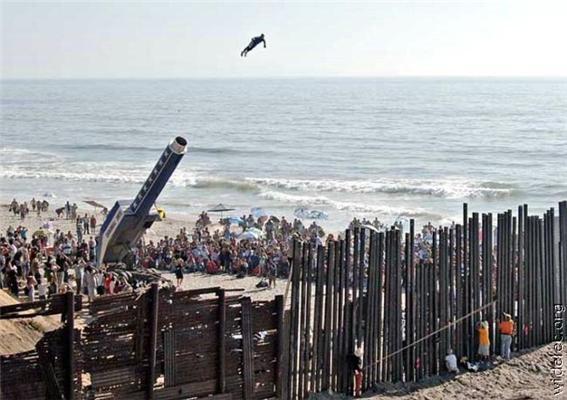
[(355, 366), (451, 362), (483, 340), (507, 329)]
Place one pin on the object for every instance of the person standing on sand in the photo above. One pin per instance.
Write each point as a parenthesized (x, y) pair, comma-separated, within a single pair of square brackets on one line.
[(354, 361), (483, 340), (30, 285), (90, 282), (507, 329), (451, 362), (86, 225), (93, 224), (179, 274)]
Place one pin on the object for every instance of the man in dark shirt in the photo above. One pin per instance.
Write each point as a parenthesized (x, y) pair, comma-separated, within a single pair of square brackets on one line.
[(253, 43)]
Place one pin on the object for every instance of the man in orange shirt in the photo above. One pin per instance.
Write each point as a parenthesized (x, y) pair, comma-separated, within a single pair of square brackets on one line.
[(483, 340), (507, 329)]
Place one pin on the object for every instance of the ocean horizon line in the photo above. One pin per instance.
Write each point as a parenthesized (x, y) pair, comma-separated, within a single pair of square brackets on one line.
[(297, 77)]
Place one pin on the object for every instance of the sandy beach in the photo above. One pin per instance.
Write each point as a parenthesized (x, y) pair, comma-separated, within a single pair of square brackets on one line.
[(525, 377)]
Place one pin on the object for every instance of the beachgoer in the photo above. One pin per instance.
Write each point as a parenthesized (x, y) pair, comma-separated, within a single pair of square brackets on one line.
[(507, 329), (86, 224), (30, 285), (451, 362), (90, 282), (253, 43), (354, 361), (179, 275), (483, 340), (93, 224), (42, 288)]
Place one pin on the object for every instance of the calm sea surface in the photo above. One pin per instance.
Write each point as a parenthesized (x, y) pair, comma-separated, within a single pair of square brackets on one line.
[(390, 148)]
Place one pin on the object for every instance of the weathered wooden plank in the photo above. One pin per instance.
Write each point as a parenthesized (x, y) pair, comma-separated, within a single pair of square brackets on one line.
[(153, 332), (247, 348)]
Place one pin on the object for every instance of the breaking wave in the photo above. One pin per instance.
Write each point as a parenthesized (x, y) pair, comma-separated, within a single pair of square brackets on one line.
[(450, 188), (454, 188), (319, 201)]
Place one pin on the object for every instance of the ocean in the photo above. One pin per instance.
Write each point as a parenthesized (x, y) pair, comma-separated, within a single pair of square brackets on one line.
[(395, 148)]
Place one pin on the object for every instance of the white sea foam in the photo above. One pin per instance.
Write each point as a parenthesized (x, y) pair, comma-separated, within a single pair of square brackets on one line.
[(451, 188), (359, 208)]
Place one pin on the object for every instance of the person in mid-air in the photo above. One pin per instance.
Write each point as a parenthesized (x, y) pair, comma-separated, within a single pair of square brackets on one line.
[(253, 43)]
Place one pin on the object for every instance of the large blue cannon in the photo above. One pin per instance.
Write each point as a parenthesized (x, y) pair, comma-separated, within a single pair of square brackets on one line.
[(128, 220)]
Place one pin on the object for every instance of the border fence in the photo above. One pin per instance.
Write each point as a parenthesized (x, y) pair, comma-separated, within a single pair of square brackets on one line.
[(162, 344), (369, 290)]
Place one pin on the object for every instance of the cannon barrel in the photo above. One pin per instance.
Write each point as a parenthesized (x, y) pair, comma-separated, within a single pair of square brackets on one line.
[(128, 220)]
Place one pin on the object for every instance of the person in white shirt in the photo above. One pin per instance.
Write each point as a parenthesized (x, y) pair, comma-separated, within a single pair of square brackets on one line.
[(30, 285), (451, 362), (42, 289)]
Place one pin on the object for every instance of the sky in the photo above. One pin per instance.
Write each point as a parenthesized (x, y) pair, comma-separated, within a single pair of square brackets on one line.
[(185, 39)]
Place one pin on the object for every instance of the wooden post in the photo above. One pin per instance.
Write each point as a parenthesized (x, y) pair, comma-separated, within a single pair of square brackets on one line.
[(355, 279), (280, 310), (336, 312), (327, 366), (398, 293), (369, 320), (361, 276), (247, 348), (307, 329), (562, 267), (70, 341), (222, 341), (318, 322), (452, 291), (521, 279), (468, 346), (343, 370), (294, 323), (154, 304), (302, 321), (388, 342), (411, 300), (459, 282)]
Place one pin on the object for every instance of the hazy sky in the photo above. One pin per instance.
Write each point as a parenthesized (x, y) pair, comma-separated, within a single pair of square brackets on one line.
[(144, 39)]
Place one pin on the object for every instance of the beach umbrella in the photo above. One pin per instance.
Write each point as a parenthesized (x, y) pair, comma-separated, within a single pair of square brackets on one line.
[(371, 227), (234, 220), (255, 231), (248, 236), (220, 208), (95, 204)]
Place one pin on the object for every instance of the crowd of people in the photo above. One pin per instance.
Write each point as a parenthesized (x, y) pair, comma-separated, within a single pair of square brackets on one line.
[(50, 261), (258, 246), (22, 209), (266, 253)]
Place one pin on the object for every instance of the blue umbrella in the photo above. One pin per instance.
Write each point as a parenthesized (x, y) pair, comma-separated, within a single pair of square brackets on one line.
[(234, 220), (258, 212), (248, 236)]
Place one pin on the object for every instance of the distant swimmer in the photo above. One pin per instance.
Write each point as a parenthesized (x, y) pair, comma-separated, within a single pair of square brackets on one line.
[(253, 43)]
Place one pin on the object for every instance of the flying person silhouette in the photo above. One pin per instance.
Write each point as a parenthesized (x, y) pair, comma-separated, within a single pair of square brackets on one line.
[(253, 43)]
